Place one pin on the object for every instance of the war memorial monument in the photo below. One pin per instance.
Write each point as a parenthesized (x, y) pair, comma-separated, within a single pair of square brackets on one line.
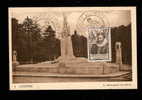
[(67, 65)]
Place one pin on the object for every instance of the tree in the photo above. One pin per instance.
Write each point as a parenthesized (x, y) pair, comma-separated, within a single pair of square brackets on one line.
[(123, 35), (49, 32), (52, 43), (14, 33), (79, 45), (32, 32), (18, 39)]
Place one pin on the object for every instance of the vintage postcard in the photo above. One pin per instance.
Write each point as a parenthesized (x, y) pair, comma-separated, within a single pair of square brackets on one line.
[(58, 48)]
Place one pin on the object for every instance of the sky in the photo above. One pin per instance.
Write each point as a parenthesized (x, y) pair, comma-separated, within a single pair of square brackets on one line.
[(115, 17)]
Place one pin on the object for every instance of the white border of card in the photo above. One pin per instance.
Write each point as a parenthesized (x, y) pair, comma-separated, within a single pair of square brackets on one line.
[(77, 85)]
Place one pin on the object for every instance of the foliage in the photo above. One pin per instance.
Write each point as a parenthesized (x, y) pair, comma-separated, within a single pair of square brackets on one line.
[(123, 35), (79, 45)]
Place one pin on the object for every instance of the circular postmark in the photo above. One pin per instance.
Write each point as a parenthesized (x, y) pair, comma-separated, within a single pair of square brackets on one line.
[(91, 19)]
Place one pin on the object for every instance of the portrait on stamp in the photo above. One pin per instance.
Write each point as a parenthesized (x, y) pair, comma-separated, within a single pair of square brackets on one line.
[(99, 44)]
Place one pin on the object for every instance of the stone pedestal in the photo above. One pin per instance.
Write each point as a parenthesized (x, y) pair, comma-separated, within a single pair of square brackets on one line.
[(14, 60), (74, 68), (66, 50), (118, 54), (66, 43)]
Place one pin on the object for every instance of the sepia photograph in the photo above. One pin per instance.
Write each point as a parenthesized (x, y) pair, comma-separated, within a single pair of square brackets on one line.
[(57, 48)]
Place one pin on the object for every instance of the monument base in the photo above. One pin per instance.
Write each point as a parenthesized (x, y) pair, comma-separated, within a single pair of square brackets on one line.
[(14, 64), (73, 66)]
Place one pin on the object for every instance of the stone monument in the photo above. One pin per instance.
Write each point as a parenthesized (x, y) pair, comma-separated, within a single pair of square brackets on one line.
[(67, 63), (118, 54), (14, 60), (66, 42)]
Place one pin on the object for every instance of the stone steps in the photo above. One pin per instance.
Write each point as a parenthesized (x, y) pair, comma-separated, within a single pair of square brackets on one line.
[(71, 68), (32, 74)]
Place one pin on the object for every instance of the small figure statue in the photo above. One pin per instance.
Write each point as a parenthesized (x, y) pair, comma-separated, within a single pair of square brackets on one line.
[(118, 54), (14, 59)]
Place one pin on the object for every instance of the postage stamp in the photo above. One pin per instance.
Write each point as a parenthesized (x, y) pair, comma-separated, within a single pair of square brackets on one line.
[(99, 44)]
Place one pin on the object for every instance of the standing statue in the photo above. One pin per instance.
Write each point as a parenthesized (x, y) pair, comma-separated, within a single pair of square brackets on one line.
[(118, 54), (14, 60)]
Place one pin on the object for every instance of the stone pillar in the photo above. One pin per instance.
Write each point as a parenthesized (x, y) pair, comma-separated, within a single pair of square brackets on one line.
[(118, 54), (70, 54), (14, 58), (66, 43)]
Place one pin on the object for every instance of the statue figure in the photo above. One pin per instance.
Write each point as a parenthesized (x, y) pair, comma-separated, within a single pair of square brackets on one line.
[(14, 60), (118, 53)]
